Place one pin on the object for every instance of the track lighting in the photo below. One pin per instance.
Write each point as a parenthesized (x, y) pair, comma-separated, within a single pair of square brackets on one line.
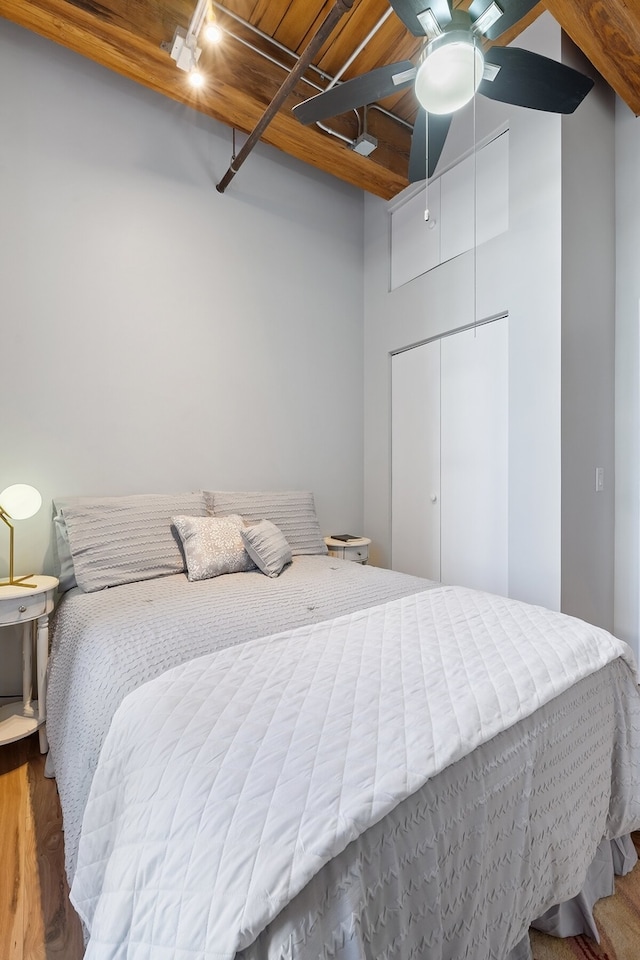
[(185, 51), (212, 32), (184, 47)]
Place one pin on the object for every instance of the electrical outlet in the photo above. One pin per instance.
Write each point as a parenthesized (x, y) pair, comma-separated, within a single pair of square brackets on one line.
[(599, 479)]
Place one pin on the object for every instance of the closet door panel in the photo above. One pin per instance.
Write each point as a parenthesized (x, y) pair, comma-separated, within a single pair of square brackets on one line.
[(474, 461), (415, 461)]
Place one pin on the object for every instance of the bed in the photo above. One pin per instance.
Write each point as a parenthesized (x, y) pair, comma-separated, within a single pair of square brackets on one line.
[(409, 769)]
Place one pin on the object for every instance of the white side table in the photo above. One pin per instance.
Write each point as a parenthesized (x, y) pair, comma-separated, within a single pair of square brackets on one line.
[(31, 608), (357, 550)]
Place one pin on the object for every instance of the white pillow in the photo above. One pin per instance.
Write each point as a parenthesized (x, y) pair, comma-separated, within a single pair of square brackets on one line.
[(213, 546)]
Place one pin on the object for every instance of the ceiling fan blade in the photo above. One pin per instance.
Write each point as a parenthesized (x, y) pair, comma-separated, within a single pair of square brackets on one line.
[(513, 11), (409, 11), (530, 80), (438, 129), (369, 88)]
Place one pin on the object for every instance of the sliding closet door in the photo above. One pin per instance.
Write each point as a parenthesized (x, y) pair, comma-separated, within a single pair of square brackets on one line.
[(415, 461), (474, 458)]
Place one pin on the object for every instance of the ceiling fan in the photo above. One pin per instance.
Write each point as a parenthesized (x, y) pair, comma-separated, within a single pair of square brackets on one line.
[(451, 68)]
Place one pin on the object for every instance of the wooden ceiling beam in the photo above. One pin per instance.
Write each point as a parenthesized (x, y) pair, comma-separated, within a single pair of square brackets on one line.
[(146, 63), (608, 33)]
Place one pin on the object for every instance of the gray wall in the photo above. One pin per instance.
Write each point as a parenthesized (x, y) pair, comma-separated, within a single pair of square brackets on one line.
[(157, 336), (588, 344), (627, 360)]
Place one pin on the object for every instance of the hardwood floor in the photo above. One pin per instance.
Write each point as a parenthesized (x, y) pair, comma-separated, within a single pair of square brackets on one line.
[(37, 921)]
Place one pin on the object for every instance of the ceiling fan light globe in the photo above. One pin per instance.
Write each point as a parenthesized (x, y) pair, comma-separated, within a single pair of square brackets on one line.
[(450, 73)]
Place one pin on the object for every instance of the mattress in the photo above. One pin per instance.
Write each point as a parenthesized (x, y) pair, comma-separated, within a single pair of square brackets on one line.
[(422, 778), (106, 644)]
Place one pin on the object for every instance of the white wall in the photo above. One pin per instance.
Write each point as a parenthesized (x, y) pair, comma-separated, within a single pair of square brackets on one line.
[(627, 367), (156, 335), (554, 273), (519, 271)]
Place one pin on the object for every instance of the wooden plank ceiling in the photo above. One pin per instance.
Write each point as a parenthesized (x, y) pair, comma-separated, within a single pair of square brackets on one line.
[(132, 37)]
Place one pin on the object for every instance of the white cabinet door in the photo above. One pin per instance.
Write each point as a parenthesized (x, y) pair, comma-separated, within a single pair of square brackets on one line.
[(449, 459), (415, 459), (474, 462)]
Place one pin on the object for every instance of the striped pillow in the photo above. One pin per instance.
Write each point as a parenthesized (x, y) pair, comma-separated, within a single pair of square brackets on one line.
[(292, 511), (267, 547), (117, 540)]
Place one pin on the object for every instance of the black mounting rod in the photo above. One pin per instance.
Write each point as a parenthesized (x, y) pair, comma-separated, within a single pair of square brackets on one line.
[(340, 7)]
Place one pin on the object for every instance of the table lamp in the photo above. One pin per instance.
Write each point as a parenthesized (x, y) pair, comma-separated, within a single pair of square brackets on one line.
[(18, 502)]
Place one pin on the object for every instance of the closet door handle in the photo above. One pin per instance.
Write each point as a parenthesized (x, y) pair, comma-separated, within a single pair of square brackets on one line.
[(434, 498)]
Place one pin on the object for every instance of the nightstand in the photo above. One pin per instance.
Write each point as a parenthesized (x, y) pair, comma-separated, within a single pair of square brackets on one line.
[(31, 608), (356, 550)]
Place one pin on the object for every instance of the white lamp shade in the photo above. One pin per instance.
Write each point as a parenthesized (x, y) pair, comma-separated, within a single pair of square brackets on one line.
[(450, 73), (20, 501)]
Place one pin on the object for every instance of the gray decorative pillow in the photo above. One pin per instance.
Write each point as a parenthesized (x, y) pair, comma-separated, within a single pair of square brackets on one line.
[(292, 511), (267, 546), (114, 540), (213, 546)]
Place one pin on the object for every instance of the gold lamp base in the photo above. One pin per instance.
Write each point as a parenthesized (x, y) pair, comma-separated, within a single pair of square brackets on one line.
[(18, 582), (25, 502)]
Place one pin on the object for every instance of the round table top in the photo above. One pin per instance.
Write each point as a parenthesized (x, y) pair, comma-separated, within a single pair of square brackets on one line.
[(11, 591), (358, 542)]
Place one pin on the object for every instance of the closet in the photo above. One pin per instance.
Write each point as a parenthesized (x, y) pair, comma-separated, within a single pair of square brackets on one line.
[(449, 458)]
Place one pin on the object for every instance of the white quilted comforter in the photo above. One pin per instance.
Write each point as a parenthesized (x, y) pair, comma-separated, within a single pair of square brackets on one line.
[(226, 784), (106, 644)]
